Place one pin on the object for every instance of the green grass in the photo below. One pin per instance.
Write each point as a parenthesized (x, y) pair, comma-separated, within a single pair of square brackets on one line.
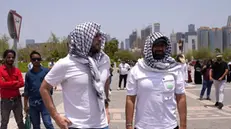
[(23, 66)]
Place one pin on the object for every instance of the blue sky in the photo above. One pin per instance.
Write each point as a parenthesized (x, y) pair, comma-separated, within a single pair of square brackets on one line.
[(117, 17)]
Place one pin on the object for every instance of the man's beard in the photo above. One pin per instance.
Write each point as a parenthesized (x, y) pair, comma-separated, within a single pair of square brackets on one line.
[(94, 51), (158, 56)]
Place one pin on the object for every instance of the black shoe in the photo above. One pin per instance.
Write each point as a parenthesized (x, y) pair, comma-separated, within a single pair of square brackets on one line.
[(201, 98), (216, 104), (208, 98), (220, 105)]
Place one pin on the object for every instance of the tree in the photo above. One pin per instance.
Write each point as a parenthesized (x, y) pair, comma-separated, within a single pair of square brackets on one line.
[(53, 38), (124, 55), (111, 47), (4, 43), (217, 50), (227, 54)]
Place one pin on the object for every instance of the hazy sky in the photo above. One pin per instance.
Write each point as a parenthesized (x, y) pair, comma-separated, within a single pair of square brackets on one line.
[(117, 17)]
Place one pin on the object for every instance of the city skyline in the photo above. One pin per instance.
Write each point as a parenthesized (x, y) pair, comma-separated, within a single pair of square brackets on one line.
[(45, 17)]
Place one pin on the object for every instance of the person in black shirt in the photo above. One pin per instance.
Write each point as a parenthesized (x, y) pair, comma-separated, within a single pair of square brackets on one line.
[(218, 72)]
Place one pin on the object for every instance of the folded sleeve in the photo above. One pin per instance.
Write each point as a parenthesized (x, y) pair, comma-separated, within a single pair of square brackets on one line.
[(131, 83), (180, 83)]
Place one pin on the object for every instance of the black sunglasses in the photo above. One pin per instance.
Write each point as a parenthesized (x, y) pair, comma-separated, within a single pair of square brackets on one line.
[(36, 59)]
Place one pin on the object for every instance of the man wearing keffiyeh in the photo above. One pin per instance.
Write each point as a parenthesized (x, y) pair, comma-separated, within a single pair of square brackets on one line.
[(82, 75), (157, 83)]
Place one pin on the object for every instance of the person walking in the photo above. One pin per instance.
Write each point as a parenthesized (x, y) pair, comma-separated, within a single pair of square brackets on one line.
[(82, 74), (156, 88)]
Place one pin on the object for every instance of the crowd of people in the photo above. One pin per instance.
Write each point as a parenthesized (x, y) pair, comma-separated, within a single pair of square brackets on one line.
[(155, 85)]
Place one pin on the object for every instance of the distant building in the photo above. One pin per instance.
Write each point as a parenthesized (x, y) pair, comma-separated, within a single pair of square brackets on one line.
[(127, 44), (226, 37), (156, 27), (216, 39), (30, 41), (173, 43), (229, 21), (203, 37), (132, 38), (122, 45)]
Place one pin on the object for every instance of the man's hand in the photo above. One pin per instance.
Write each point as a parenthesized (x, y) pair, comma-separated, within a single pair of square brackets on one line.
[(182, 127), (129, 127), (26, 109), (210, 78), (3, 79), (220, 79), (108, 115), (62, 122)]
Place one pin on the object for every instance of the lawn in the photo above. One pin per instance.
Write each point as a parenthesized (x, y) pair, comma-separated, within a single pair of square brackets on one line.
[(23, 66)]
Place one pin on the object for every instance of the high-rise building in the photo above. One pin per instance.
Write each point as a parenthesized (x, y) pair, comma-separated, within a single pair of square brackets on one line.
[(216, 39), (203, 37), (229, 21), (132, 38), (226, 37), (191, 28), (144, 34), (156, 27), (122, 45), (127, 44), (173, 43)]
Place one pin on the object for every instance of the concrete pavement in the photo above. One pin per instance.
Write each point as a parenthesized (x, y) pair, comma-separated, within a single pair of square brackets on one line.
[(201, 114)]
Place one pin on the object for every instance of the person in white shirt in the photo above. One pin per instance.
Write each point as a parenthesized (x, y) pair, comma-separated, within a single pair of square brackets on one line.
[(51, 63), (123, 71), (157, 87), (82, 75), (181, 59)]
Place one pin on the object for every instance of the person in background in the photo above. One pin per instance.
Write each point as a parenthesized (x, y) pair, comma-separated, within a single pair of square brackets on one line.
[(51, 63), (10, 81), (156, 88), (218, 73), (207, 83), (123, 71), (181, 59), (197, 73), (33, 81), (111, 74), (190, 67), (229, 73), (83, 74)]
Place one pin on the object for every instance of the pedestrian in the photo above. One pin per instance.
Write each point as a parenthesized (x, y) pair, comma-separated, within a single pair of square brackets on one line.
[(123, 71), (181, 59), (82, 75), (33, 81), (197, 73), (10, 81), (218, 73), (207, 83), (158, 84)]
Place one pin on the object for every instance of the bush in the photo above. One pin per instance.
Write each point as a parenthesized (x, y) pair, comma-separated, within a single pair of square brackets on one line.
[(23, 66)]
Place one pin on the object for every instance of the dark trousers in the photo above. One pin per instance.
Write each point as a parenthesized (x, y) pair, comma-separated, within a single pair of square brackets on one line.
[(206, 85), (15, 104), (123, 77), (35, 117)]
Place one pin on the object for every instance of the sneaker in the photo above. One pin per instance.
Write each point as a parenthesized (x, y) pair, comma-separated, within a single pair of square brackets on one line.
[(125, 88), (118, 88), (216, 104), (220, 105), (201, 98), (109, 92)]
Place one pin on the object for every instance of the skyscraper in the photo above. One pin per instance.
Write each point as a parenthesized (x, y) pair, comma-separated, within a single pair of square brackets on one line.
[(203, 37), (215, 39), (191, 28), (156, 27), (229, 21)]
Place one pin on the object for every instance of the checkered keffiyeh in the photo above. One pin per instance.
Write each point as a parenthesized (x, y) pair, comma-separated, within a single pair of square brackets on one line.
[(80, 42), (163, 64)]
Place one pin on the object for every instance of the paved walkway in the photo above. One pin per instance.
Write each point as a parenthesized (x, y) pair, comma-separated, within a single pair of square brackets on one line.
[(201, 114)]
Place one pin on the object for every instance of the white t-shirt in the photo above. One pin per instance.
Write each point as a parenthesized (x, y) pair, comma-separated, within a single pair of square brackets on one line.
[(79, 97), (124, 68), (155, 91)]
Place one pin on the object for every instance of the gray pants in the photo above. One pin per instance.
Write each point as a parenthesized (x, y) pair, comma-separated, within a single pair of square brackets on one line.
[(219, 89), (14, 104)]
